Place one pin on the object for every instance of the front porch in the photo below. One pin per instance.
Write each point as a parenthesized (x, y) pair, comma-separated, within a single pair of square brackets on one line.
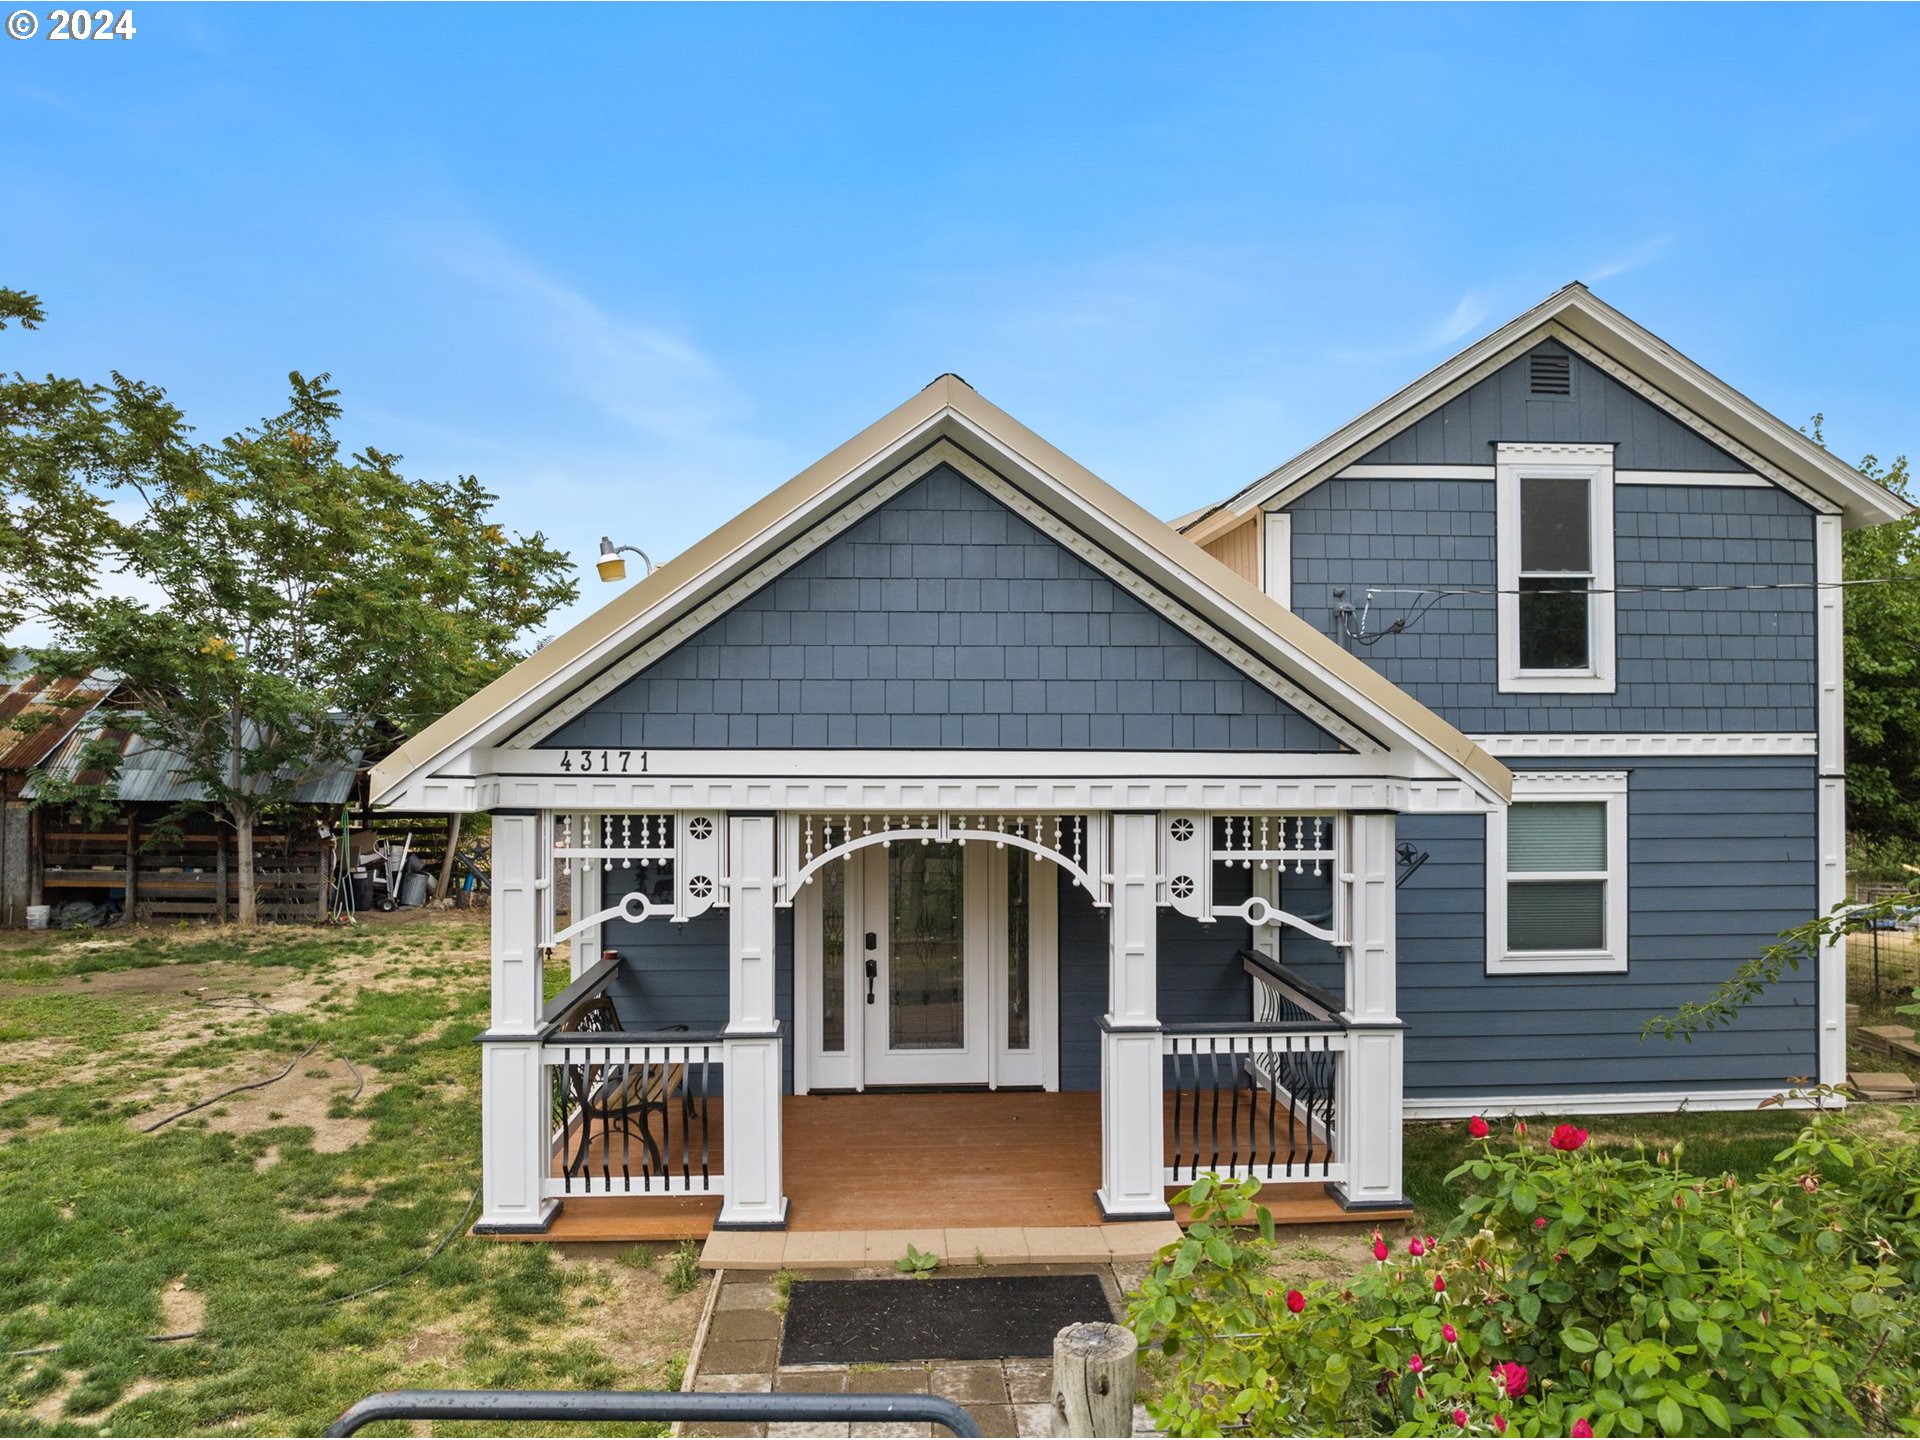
[(675, 1087), (983, 1170)]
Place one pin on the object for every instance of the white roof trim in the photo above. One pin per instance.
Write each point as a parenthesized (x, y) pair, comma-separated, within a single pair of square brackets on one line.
[(1628, 353), (1246, 629)]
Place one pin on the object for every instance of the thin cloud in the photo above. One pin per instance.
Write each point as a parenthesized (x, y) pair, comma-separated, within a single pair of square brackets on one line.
[(639, 375), (1637, 258), (1469, 314)]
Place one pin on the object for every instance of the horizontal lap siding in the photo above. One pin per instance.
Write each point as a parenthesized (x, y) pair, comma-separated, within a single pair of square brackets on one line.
[(943, 620), (1698, 662), (1721, 858), (677, 974)]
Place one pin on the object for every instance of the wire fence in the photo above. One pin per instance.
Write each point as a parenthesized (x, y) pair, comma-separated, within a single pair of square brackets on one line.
[(1883, 968)]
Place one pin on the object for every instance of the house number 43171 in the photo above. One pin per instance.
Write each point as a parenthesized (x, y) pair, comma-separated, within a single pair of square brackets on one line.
[(604, 762)]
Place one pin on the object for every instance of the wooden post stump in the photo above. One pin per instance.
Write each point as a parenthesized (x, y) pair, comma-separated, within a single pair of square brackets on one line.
[(1093, 1375)]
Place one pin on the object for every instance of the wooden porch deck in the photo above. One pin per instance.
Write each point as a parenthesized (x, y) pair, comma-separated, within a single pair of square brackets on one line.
[(961, 1160)]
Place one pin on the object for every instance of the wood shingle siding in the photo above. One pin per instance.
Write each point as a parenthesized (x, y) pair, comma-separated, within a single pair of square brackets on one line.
[(1502, 410), (1738, 661), (943, 620)]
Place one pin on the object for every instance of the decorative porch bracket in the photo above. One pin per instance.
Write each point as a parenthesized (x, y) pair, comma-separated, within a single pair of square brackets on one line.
[(1076, 843)]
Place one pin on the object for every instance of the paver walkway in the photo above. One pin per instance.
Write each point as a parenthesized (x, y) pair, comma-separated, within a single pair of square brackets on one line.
[(740, 1354)]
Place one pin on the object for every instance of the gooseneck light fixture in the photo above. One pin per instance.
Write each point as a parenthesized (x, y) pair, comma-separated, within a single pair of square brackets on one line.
[(612, 567)]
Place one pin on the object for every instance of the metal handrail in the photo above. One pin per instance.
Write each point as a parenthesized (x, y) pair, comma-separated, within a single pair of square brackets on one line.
[(1265, 967), (591, 981), (576, 1407)]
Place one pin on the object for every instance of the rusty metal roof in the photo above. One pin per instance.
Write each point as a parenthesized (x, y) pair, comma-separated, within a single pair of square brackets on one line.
[(150, 775), (37, 714)]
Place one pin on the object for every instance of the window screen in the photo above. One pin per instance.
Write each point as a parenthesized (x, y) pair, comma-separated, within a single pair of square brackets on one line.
[(1568, 842)]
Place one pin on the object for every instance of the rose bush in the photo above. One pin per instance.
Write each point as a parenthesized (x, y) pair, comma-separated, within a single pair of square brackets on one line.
[(1576, 1293)]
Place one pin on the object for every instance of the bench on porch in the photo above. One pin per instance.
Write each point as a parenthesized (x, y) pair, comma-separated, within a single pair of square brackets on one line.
[(612, 1086)]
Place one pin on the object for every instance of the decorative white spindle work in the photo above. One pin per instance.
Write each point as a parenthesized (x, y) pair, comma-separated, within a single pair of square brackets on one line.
[(1194, 844), (810, 839), (688, 845)]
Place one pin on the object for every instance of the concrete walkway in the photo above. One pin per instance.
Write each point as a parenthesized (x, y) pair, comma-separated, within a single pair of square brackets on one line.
[(739, 1352)]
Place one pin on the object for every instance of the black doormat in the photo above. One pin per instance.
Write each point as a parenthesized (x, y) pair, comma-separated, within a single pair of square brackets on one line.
[(857, 1322)]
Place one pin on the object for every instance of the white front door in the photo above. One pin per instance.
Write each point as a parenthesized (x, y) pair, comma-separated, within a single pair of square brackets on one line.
[(930, 964)]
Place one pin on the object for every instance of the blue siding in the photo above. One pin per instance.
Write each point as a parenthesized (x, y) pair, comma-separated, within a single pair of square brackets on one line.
[(1200, 977), (943, 620), (677, 974), (1721, 858), (1601, 410), (1695, 662)]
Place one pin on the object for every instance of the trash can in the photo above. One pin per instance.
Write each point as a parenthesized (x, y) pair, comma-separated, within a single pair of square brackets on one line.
[(362, 892), (413, 889), (38, 916)]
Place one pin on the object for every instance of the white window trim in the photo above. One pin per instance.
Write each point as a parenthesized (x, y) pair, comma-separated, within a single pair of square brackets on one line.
[(1610, 788), (1593, 463), (1276, 555)]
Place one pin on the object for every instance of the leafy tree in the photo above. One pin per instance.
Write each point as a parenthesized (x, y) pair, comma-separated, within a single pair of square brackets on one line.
[(65, 445), (310, 604), (1883, 670)]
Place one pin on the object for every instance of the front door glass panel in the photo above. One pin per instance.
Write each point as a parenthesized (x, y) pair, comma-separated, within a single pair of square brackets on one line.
[(926, 980)]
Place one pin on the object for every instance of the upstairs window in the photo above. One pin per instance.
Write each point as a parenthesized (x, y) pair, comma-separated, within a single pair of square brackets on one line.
[(1556, 876), (1555, 544)]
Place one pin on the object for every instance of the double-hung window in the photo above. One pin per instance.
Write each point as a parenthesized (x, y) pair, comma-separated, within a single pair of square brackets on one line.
[(1557, 876), (1555, 545)]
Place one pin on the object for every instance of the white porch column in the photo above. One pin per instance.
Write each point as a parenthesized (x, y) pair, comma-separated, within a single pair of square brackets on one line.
[(1132, 1122), (513, 1087), (587, 889), (754, 1195), (1371, 1098)]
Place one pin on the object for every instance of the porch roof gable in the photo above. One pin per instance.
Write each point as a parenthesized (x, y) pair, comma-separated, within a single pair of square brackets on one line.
[(948, 409)]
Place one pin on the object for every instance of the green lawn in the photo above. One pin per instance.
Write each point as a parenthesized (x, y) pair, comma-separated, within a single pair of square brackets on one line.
[(258, 1216)]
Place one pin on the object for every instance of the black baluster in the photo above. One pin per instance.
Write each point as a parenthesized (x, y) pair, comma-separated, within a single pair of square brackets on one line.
[(1213, 1078)]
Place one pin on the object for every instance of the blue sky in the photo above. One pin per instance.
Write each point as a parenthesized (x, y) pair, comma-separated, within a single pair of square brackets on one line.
[(635, 266)]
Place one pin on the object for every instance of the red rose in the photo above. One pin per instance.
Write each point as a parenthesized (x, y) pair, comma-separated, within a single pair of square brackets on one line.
[(1416, 1364), (1500, 1424), (1568, 1138), (1460, 1418), (1415, 1248), (1449, 1334), (1439, 1285), (1582, 1430), (1296, 1302), (1512, 1378), (1478, 1128), (1379, 1248)]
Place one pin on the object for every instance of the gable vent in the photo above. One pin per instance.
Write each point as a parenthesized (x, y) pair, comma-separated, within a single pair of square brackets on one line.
[(1550, 374)]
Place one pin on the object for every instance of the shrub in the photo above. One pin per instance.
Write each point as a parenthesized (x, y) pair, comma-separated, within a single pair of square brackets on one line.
[(1575, 1290)]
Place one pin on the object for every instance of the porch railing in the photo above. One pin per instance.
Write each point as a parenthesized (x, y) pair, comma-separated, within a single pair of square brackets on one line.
[(634, 1112), (1261, 1099)]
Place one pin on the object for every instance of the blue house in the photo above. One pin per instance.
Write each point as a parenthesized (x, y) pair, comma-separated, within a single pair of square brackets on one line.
[(946, 829)]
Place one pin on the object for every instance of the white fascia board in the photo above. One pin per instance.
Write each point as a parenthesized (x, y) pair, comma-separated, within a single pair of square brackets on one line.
[(1642, 747), (1599, 334), (933, 781)]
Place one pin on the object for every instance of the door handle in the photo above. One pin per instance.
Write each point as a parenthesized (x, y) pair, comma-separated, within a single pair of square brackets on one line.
[(873, 971)]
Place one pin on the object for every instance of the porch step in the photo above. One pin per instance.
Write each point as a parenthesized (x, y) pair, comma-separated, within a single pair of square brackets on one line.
[(617, 1220), (1309, 1204), (957, 1248)]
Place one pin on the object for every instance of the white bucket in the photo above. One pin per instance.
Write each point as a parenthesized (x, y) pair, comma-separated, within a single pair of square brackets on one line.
[(38, 915)]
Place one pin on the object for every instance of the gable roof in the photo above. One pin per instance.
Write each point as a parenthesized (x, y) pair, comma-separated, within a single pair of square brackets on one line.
[(1628, 352), (948, 409), (36, 714)]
